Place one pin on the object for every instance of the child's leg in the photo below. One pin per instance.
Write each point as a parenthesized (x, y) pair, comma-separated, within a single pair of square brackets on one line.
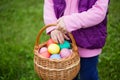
[(88, 69)]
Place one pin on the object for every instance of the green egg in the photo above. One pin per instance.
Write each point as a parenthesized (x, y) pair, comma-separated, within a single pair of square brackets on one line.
[(66, 44)]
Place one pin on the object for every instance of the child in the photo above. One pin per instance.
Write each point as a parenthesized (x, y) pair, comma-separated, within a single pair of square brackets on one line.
[(87, 21)]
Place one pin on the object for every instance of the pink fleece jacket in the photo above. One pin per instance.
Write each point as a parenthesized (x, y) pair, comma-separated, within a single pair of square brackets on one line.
[(74, 20)]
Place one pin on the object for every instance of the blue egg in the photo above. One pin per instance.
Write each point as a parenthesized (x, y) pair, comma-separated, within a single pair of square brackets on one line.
[(66, 44), (55, 56)]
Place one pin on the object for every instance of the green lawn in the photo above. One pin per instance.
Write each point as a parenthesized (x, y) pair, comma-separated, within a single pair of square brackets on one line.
[(20, 21)]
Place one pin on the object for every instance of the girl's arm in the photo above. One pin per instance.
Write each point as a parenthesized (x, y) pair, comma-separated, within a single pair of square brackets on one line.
[(91, 17), (49, 15)]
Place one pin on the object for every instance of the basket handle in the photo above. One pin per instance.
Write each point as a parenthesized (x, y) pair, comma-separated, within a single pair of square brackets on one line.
[(69, 34)]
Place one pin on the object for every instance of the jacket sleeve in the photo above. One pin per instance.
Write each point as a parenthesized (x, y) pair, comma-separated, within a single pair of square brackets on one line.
[(49, 15), (91, 17)]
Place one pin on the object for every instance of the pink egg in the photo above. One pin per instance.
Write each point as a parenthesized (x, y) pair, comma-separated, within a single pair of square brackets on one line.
[(43, 49), (65, 53)]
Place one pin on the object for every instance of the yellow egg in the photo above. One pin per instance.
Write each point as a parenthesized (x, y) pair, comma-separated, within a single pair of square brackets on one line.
[(53, 49)]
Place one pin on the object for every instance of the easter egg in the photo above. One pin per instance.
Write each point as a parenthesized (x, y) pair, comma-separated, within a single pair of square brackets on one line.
[(50, 41), (43, 49), (45, 54), (65, 53), (55, 56), (53, 49), (66, 44)]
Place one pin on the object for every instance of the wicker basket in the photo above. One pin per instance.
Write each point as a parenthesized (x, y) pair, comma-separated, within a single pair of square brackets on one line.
[(51, 69)]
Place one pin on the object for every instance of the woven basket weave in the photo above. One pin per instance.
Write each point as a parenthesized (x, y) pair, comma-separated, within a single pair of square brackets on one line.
[(53, 69)]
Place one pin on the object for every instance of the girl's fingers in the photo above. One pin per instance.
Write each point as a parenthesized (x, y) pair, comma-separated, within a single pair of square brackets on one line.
[(54, 38), (61, 37), (66, 37)]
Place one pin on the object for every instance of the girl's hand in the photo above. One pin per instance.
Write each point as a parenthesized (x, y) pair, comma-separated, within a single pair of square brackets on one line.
[(61, 25), (58, 36)]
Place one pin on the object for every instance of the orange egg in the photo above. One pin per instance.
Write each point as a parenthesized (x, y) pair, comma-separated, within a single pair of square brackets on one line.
[(50, 41)]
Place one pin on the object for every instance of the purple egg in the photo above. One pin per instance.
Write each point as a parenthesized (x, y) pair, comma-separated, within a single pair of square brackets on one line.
[(65, 53)]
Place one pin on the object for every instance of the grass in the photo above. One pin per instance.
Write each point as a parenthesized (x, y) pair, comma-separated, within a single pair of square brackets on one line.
[(20, 21)]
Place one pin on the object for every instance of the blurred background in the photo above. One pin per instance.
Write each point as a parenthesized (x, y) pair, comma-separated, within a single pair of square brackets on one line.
[(20, 22)]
